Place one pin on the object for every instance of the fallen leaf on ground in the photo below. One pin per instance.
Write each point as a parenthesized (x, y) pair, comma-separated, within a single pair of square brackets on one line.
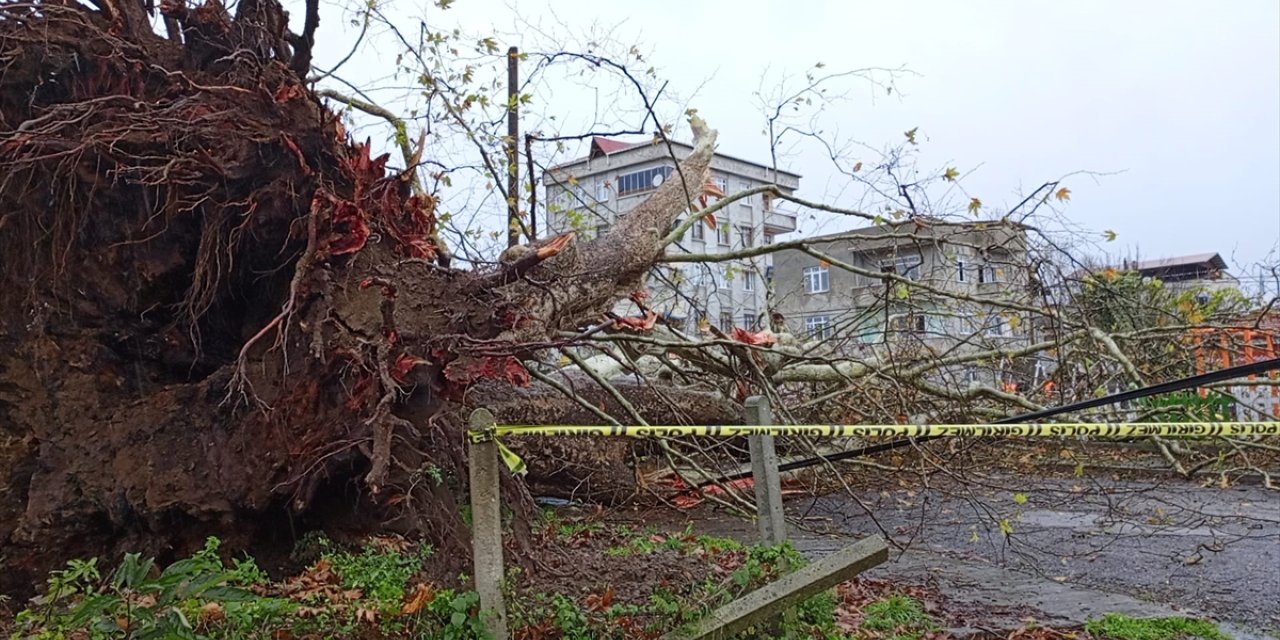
[(421, 595)]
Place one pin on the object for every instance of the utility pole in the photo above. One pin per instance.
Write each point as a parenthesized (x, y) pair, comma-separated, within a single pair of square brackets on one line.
[(513, 150), (533, 188)]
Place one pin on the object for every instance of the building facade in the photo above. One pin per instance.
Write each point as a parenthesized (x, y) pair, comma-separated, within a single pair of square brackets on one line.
[(1204, 271), (935, 305), (589, 194)]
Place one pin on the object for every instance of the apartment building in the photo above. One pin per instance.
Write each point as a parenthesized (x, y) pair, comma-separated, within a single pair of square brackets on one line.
[(589, 194), (958, 267), (1200, 272)]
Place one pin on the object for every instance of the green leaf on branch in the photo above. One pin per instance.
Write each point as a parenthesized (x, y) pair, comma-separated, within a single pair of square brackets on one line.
[(1006, 527)]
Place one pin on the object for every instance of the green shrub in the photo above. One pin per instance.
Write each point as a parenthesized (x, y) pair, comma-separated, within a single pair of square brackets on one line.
[(198, 597), (381, 575)]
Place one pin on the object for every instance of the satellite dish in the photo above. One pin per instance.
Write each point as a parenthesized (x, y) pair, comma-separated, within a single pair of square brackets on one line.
[(657, 180)]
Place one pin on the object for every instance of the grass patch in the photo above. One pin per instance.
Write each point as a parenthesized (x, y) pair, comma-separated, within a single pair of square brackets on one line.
[(1121, 627), (380, 574), (900, 616)]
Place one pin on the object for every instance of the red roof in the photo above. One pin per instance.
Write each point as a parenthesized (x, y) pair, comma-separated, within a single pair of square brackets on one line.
[(606, 146)]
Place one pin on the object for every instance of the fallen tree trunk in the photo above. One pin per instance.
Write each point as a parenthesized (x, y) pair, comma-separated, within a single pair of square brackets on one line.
[(595, 469), (221, 317)]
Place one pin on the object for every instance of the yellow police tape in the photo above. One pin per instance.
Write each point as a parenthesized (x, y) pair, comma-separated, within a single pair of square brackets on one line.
[(1031, 430)]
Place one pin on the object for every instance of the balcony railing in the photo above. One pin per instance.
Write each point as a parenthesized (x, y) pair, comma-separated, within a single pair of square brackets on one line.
[(779, 222)]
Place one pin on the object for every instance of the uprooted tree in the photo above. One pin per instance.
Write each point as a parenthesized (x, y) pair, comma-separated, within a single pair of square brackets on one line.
[(222, 316)]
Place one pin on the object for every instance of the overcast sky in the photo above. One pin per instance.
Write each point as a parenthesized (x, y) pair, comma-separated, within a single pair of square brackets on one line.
[(1179, 102)]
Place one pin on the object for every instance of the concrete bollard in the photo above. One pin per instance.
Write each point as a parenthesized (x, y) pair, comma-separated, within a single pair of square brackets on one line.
[(764, 470), (486, 527)]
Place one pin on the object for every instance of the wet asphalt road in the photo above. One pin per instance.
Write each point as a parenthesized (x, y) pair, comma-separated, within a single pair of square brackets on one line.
[(1176, 546)]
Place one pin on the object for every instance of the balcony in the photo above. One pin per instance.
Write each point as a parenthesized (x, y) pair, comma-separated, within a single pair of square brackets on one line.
[(778, 222)]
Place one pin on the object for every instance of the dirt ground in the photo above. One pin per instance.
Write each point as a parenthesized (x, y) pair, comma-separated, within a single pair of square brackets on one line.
[(581, 565)]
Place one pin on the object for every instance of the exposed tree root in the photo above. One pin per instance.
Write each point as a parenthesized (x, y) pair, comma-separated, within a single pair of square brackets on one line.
[(170, 207)]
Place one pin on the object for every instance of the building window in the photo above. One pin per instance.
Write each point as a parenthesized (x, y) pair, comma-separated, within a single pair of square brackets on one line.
[(768, 238), (602, 191), (743, 186), (767, 199), (748, 280), (961, 276), (720, 183), (990, 273), (749, 319), (722, 234), (817, 279), (912, 323), (996, 326), (563, 200), (699, 230), (641, 181), (908, 267), (601, 230), (726, 321), (818, 326), (868, 333), (746, 236), (935, 324)]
